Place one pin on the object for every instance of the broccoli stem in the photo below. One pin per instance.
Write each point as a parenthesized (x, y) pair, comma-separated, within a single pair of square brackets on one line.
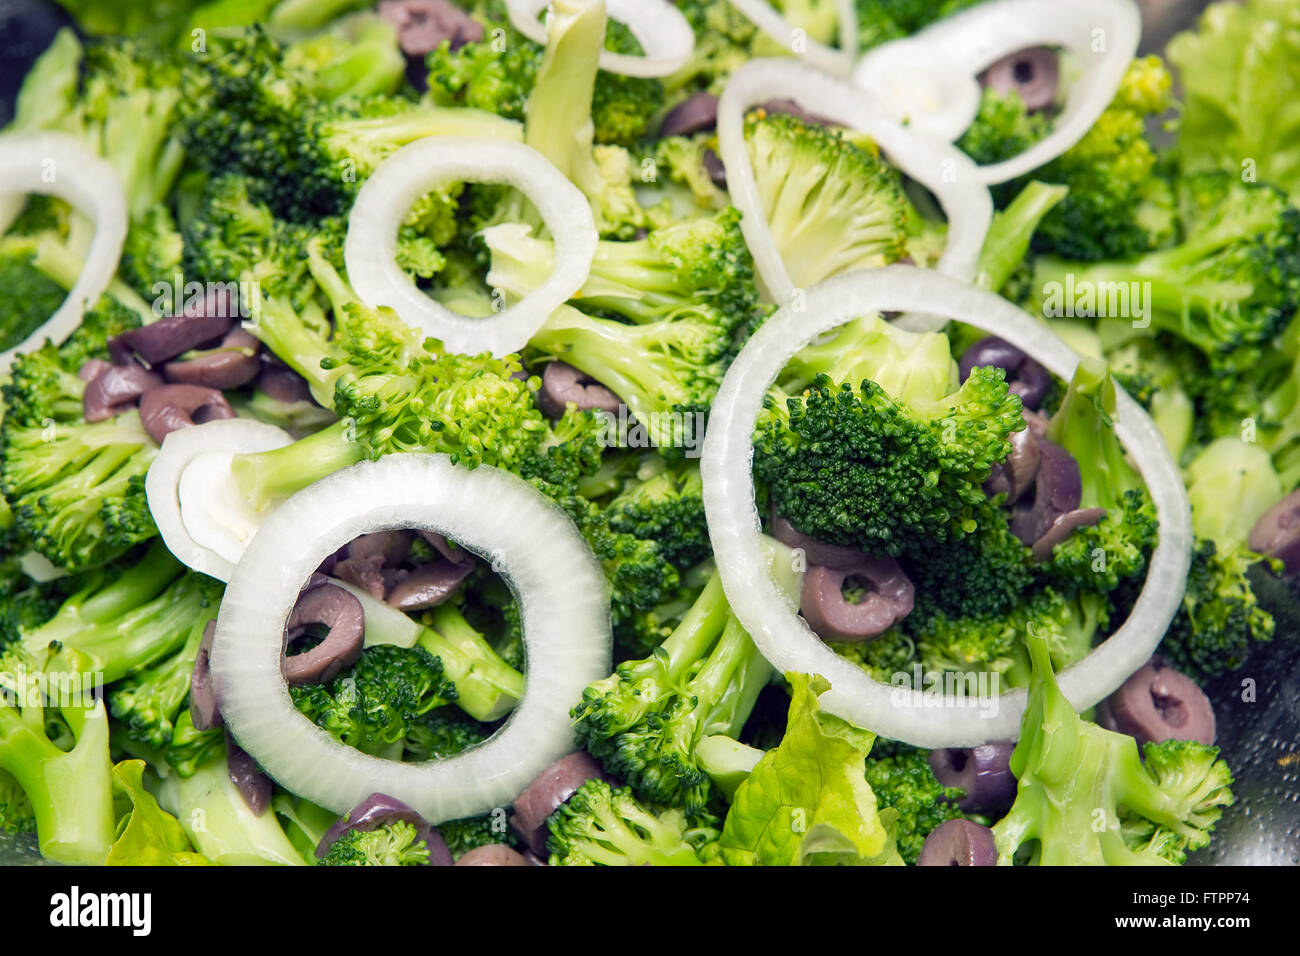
[(58, 262), (272, 475), (487, 686), (1008, 238), (70, 791), (283, 332)]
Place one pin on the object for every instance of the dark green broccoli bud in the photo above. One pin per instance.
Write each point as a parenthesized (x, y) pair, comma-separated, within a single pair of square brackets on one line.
[(665, 503), (880, 21), (393, 844), (1100, 557), (374, 704), (76, 489), (1002, 128), (832, 206), (906, 783), (444, 732), (31, 296), (854, 466), (470, 833), (16, 813), (603, 826), (153, 250), (984, 572)]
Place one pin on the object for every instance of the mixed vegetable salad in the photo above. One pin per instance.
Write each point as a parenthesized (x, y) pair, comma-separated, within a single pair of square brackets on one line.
[(621, 432)]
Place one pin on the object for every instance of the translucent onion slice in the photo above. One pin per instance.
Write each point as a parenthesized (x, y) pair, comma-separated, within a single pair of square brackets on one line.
[(664, 33), (203, 518), (370, 250), (943, 169), (563, 599), (925, 720), (930, 79), (55, 164), (837, 61)]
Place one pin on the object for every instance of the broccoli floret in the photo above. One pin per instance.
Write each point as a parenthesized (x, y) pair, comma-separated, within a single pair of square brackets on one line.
[(1101, 557), (1219, 619), (443, 732), (690, 264), (1119, 203), (354, 57), (393, 844), (127, 111), (487, 688), (128, 616), (680, 160), (16, 813), (76, 489), (247, 112), (470, 833), (153, 250), (373, 704), (892, 465), (1076, 779), (189, 749), (724, 37), (603, 826), (1002, 128), (906, 783), (54, 745), (148, 702), (665, 371), (1229, 287), (665, 503), (983, 572), (832, 207), (880, 21), (31, 297), (644, 720)]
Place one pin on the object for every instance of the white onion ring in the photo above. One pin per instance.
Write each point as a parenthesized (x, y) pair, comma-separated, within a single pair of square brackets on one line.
[(771, 620), (162, 484), (943, 169), (663, 32), (931, 77), (370, 250), (775, 26), (87, 183), (563, 598)]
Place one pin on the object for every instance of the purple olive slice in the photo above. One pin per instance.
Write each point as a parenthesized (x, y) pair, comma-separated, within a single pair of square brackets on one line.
[(1015, 475), (202, 320), (984, 772), (548, 790), (280, 382), (424, 25), (1062, 527), (713, 165), (833, 618), (1058, 489), (92, 367), (1025, 377), (493, 854), (694, 114), (253, 785), (1277, 533), (173, 407), (816, 552), (379, 809), (232, 364), (204, 712), (562, 383), (959, 843), (1033, 73), (428, 585), (1158, 703), (339, 610), (115, 389)]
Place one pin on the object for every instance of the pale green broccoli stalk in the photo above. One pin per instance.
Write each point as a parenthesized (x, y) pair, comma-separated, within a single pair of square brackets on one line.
[(1085, 797)]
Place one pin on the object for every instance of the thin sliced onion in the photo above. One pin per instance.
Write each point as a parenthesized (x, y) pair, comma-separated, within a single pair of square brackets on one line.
[(56, 164), (786, 640), (943, 169), (563, 598), (370, 250), (664, 33), (202, 517), (837, 61), (930, 79)]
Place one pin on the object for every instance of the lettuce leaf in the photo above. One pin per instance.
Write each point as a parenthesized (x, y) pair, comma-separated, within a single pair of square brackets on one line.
[(148, 835), (807, 802), (1241, 82)]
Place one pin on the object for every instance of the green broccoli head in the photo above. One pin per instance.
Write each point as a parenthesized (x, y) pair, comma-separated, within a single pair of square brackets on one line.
[(905, 782), (393, 844), (832, 207), (665, 503), (31, 296), (603, 826), (855, 466), (374, 704)]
